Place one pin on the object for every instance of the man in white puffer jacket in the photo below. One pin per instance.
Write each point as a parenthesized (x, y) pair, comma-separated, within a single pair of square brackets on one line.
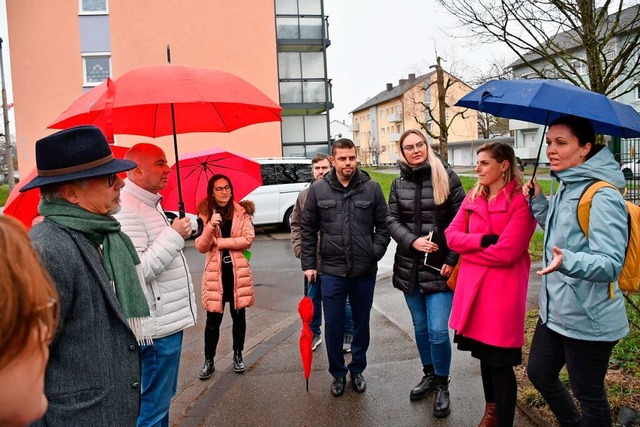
[(169, 289)]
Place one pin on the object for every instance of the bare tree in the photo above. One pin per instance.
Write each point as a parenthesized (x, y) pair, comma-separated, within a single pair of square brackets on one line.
[(591, 45), (426, 114)]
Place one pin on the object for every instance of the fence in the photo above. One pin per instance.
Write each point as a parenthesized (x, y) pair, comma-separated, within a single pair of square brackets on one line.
[(629, 159)]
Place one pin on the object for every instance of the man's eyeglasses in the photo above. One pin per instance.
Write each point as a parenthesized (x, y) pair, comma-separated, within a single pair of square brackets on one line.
[(221, 189), (111, 179), (412, 148)]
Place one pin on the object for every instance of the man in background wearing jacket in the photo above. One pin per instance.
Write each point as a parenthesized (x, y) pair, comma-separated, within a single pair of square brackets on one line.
[(169, 288), (350, 211)]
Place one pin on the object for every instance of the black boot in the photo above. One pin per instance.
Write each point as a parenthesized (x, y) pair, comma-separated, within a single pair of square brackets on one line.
[(238, 364), (425, 386), (441, 401), (207, 369)]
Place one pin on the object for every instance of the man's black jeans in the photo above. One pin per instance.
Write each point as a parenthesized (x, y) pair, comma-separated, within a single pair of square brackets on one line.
[(587, 363)]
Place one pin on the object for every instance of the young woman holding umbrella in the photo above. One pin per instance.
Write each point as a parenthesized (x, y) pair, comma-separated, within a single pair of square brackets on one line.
[(580, 322), (227, 276), (422, 203), (491, 232)]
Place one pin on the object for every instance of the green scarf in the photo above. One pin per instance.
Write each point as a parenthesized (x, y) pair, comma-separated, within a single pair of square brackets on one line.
[(119, 260)]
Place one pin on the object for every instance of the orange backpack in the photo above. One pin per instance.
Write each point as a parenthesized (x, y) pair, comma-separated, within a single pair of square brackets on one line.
[(629, 279)]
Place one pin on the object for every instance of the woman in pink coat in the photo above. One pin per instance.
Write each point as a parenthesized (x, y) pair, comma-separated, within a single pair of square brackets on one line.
[(491, 232), (227, 277)]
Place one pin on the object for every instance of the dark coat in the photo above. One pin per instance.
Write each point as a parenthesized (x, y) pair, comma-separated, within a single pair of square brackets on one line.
[(93, 374), (413, 213), (352, 221)]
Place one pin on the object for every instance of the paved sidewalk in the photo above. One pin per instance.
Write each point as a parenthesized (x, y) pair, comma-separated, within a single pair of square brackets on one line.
[(272, 391)]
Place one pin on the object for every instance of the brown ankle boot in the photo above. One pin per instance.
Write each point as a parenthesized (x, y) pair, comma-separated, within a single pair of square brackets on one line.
[(489, 419)]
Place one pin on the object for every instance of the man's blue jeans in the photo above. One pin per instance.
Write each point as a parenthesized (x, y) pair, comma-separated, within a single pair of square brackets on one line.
[(335, 290), (315, 293), (160, 364), (430, 314)]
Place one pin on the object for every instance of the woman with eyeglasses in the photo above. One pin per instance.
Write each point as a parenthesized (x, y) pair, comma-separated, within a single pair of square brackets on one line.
[(491, 232), (227, 276), (422, 203), (28, 320)]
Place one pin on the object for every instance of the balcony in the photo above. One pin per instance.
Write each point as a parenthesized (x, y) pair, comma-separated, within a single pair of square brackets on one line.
[(355, 127), (393, 137), (394, 118)]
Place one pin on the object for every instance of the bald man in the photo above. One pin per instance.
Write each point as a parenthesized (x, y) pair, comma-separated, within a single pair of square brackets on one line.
[(169, 289)]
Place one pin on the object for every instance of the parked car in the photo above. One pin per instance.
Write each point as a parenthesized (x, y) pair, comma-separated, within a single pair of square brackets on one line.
[(520, 163), (196, 222), (282, 180), (631, 169)]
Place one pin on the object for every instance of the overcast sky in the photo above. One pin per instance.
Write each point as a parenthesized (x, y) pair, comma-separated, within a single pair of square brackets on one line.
[(374, 42)]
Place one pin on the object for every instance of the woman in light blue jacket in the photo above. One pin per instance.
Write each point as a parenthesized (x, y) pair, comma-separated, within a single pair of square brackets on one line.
[(579, 322)]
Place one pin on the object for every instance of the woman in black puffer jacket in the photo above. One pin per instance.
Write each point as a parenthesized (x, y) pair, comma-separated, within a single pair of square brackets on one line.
[(422, 203)]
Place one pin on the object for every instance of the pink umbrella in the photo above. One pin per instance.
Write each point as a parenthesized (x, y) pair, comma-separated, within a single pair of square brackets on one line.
[(169, 100), (197, 168)]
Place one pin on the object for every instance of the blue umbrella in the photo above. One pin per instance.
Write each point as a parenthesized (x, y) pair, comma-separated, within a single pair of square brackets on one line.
[(542, 101)]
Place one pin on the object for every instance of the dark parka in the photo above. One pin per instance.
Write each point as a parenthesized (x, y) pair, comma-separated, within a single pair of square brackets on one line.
[(413, 213), (352, 221)]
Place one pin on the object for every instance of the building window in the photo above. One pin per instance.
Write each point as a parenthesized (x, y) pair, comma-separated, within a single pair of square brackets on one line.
[(96, 68), (93, 7)]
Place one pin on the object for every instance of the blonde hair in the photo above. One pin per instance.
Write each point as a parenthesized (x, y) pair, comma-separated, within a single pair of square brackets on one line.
[(28, 299), (499, 151), (439, 175)]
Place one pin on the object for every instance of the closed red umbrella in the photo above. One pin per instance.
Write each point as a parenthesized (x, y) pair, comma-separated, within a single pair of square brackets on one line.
[(305, 309), (171, 99), (197, 168), (24, 206)]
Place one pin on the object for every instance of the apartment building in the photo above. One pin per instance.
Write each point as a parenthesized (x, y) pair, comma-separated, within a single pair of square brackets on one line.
[(379, 122), (62, 48)]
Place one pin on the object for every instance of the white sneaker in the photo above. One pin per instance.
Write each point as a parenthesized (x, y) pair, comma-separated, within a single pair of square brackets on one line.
[(316, 342), (346, 344)]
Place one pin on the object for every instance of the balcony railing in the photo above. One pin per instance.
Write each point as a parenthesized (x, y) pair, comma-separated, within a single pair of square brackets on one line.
[(393, 137), (355, 127), (394, 118)]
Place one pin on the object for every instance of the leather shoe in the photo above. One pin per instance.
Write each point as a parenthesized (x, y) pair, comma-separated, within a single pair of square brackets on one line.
[(207, 369), (358, 383), (337, 386)]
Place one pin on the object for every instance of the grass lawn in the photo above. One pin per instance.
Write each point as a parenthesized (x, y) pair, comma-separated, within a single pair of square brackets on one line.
[(4, 193)]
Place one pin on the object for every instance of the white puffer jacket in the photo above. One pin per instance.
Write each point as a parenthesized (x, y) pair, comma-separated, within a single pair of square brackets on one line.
[(169, 288)]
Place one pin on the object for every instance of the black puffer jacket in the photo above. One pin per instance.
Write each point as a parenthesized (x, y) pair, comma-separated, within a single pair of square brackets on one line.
[(352, 221), (413, 213)]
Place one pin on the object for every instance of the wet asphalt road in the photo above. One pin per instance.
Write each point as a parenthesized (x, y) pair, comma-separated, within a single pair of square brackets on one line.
[(272, 390)]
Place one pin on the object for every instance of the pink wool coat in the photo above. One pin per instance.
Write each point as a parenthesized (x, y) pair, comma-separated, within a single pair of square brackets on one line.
[(210, 242), (490, 298)]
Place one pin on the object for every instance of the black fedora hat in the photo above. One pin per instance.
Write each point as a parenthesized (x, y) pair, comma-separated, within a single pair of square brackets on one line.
[(76, 153)]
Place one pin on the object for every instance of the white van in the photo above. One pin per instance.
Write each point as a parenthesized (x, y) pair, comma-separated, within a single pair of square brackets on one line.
[(282, 180)]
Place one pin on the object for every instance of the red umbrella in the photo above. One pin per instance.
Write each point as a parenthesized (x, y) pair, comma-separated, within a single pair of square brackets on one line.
[(171, 99), (24, 206), (197, 168), (305, 309)]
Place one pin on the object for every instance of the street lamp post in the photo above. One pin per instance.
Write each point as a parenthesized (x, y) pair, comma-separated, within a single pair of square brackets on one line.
[(7, 136)]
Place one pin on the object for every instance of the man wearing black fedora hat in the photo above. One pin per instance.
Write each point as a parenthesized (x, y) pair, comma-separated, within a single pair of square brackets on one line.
[(93, 374)]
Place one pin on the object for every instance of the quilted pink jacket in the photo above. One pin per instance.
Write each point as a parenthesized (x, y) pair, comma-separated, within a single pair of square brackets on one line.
[(210, 242)]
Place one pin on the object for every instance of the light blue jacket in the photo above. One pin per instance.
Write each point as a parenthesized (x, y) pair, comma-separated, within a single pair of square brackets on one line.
[(574, 300)]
